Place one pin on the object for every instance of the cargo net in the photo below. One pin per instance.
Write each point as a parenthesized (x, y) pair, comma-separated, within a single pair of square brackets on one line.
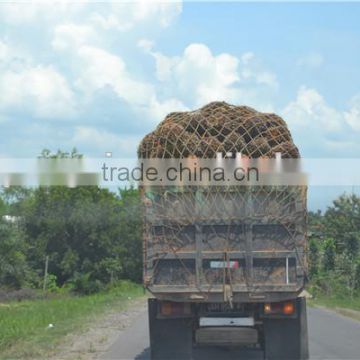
[(227, 222), (180, 219), (219, 127)]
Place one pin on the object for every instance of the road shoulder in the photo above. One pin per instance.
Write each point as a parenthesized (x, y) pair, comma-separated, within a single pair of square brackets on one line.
[(100, 335), (349, 313)]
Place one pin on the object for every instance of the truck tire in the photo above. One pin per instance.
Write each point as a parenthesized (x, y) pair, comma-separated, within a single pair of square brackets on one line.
[(287, 338), (169, 338)]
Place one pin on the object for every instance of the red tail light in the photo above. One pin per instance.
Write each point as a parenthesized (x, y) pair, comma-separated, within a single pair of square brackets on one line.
[(279, 308), (288, 308)]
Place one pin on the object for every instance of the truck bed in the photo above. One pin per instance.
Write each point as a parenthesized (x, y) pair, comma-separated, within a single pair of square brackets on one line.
[(200, 242)]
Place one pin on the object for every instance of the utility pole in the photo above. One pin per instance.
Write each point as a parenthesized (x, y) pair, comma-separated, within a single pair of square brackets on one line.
[(46, 272)]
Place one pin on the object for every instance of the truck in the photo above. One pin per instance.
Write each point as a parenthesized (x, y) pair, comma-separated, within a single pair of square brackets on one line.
[(226, 265), (226, 268)]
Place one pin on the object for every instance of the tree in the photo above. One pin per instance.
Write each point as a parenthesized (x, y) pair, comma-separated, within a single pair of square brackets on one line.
[(78, 228), (329, 255), (346, 270), (313, 257), (2, 207), (132, 232), (92, 236), (13, 267), (343, 224)]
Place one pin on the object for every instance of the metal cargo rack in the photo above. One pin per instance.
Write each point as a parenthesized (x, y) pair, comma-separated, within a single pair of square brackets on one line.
[(204, 243)]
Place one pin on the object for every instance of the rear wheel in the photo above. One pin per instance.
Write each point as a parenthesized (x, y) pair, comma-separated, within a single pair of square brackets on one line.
[(287, 338), (169, 338)]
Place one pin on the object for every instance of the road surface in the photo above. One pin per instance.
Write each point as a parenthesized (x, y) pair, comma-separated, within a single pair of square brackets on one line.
[(332, 336)]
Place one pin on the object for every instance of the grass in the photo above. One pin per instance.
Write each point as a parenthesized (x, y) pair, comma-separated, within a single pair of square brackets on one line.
[(337, 302), (24, 326), (349, 307)]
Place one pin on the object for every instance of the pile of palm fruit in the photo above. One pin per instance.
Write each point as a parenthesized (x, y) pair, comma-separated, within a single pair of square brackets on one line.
[(219, 127)]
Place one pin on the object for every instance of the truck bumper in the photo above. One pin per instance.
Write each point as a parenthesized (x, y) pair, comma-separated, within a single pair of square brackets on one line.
[(226, 336)]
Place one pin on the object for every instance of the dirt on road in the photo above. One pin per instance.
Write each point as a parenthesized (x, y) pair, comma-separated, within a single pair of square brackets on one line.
[(101, 334)]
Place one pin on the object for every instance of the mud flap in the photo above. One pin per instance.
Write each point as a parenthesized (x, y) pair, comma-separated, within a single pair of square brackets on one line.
[(169, 338), (287, 338)]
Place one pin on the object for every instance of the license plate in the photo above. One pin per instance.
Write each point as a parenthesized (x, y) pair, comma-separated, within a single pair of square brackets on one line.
[(224, 264), (208, 321)]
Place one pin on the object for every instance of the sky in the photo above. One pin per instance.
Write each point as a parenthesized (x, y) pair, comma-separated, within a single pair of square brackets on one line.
[(99, 76)]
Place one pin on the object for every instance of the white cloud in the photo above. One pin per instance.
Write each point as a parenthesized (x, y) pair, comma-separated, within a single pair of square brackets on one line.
[(321, 128), (4, 51), (39, 90), (247, 57), (165, 11), (312, 60), (81, 43), (103, 140), (266, 78), (124, 16), (99, 68), (17, 13), (164, 64), (71, 36), (199, 76), (22, 13), (252, 70), (200, 73), (145, 44), (158, 110), (13, 53), (310, 109), (352, 117), (114, 15)]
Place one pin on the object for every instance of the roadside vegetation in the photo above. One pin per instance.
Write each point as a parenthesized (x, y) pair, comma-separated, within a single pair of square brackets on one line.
[(334, 254), (66, 254), (86, 237), (35, 328)]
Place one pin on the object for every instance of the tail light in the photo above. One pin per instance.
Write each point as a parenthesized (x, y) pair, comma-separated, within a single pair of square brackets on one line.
[(267, 309), (170, 308), (289, 308), (279, 308)]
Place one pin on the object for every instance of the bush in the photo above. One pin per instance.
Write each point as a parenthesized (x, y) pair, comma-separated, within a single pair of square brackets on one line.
[(83, 284)]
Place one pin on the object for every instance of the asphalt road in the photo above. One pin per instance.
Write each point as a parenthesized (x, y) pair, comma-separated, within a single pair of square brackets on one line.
[(332, 336)]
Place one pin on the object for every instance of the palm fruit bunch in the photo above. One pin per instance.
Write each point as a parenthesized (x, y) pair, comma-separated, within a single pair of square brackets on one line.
[(219, 127)]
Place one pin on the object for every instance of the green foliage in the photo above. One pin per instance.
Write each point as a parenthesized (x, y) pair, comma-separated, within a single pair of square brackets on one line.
[(343, 224), (92, 236), (86, 231), (313, 257), (13, 266), (82, 283), (2, 207), (329, 255), (334, 258), (131, 228), (51, 284)]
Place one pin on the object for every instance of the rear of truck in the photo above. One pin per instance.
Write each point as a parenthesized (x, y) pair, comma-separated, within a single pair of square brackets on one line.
[(226, 266)]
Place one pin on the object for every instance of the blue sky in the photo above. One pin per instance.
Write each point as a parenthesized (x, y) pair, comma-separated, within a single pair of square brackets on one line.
[(99, 76)]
